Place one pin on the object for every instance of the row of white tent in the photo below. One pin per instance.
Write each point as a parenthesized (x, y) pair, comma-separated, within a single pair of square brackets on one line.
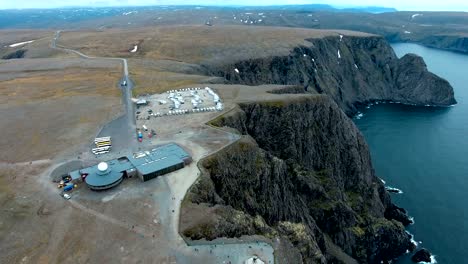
[(196, 110), (184, 90), (216, 98)]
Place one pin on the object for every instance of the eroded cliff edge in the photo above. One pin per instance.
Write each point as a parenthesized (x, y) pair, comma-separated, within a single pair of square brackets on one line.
[(302, 173), (353, 70)]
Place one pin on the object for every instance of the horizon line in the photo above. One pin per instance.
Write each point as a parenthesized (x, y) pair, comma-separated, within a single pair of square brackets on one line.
[(231, 6)]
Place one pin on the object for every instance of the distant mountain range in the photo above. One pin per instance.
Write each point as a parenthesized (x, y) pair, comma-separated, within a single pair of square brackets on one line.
[(324, 7), (58, 17)]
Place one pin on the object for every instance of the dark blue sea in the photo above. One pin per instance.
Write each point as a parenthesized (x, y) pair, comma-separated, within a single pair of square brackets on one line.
[(424, 152)]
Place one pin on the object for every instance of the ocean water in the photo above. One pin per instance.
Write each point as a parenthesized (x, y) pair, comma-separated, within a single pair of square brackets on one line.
[(424, 152)]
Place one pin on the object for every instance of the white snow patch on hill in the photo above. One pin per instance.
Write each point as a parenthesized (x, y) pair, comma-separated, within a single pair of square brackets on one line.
[(21, 43)]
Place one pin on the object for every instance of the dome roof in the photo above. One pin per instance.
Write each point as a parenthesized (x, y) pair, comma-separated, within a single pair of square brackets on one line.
[(103, 166)]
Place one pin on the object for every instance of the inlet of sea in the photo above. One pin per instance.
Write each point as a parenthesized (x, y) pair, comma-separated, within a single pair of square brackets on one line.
[(424, 152)]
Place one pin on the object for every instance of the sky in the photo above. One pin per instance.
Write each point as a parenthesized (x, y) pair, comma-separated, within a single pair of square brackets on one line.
[(420, 5)]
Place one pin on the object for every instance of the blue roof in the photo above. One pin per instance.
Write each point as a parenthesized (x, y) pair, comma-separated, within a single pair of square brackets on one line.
[(114, 173), (145, 162), (112, 176), (75, 175), (158, 158), (158, 165)]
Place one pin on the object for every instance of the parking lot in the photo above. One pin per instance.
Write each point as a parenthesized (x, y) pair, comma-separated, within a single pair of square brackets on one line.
[(171, 112), (178, 102)]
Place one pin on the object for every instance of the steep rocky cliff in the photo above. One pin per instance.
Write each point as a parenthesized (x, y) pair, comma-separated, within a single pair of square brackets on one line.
[(302, 173), (352, 70)]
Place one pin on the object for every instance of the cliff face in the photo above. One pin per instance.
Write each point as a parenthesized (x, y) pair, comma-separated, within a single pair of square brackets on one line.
[(352, 70), (302, 173), (451, 42)]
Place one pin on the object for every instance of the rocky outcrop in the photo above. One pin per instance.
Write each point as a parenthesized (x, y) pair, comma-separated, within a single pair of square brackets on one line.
[(422, 255), (414, 83), (301, 173), (18, 54), (352, 70), (398, 213)]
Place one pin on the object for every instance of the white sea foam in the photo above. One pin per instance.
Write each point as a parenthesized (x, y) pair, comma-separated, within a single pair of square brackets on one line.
[(393, 190), (414, 242), (433, 260)]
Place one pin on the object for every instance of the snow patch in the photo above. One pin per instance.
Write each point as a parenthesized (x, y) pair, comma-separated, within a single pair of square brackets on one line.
[(20, 43), (129, 13)]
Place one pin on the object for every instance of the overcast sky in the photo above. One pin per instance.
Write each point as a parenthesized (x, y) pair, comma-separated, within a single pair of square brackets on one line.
[(452, 5)]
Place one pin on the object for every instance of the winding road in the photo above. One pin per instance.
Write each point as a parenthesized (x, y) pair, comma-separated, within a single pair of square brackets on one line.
[(170, 191), (123, 129)]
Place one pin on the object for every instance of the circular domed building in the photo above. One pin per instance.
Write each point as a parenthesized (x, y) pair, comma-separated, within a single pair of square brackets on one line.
[(102, 177)]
